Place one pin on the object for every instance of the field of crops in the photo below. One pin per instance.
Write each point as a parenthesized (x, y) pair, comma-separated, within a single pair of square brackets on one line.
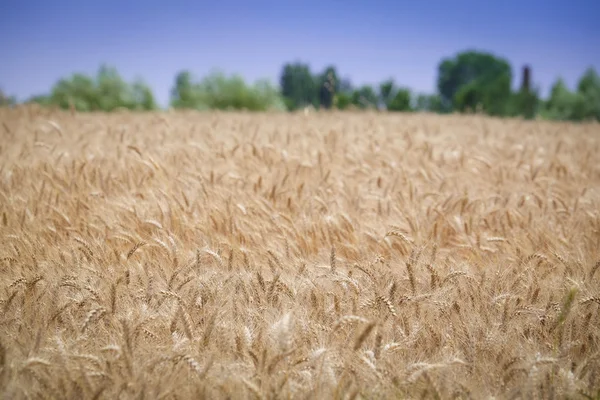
[(322, 255)]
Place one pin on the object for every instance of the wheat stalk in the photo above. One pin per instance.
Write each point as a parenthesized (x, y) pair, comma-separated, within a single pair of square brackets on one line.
[(229, 255)]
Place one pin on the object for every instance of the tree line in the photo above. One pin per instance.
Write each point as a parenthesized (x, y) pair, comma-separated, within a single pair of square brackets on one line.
[(470, 81)]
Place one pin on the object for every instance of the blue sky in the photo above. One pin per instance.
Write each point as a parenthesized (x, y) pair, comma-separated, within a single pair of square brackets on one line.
[(368, 41)]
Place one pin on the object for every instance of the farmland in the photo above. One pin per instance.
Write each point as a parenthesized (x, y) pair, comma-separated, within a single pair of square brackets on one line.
[(321, 255)]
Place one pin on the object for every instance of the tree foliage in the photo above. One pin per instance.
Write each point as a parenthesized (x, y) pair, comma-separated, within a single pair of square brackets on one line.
[(365, 97), (473, 80), (589, 90), (328, 87), (470, 81), (401, 101), (563, 104), (386, 90), (524, 103), (298, 86), (222, 92), (343, 101), (106, 92)]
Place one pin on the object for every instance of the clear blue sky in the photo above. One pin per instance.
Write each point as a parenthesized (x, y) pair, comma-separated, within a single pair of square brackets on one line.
[(368, 41)]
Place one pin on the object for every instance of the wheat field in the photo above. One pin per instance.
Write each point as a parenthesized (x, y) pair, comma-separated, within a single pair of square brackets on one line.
[(315, 256)]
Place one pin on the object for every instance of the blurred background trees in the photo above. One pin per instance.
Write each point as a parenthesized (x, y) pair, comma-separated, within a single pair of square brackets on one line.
[(468, 82), (474, 80), (578, 105), (298, 86), (222, 92), (107, 91)]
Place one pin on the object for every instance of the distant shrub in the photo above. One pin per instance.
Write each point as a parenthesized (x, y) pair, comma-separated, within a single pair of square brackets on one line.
[(105, 92), (221, 92)]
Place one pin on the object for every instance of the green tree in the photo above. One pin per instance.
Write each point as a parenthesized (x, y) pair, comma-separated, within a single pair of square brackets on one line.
[(365, 97), (143, 98), (112, 91), (472, 79), (78, 91), (588, 88), (525, 103), (269, 95), (185, 93), (328, 87), (469, 97), (218, 91), (343, 101), (298, 86), (401, 101), (343, 97), (393, 97), (563, 104), (107, 92), (386, 91)]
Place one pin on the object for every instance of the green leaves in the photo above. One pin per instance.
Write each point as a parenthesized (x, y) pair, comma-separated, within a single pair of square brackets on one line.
[(143, 98), (298, 86), (470, 81), (328, 86), (185, 94), (218, 91), (107, 92), (563, 104), (386, 89), (401, 101), (589, 90), (474, 80), (342, 101), (365, 97)]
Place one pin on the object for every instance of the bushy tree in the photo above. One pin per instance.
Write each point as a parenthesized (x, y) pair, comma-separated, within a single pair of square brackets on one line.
[(394, 98), (401, 100), (143, 98), (78, 91), (185, 93), (343, 101), (524, 103), (343, 97), (588, 88), (365, 97), (269, 95), (107, 92), (564, 104), (472, 79), (328, 87), (579, 105), (112, 91), (218, 91), (298, 86), (386, 91)]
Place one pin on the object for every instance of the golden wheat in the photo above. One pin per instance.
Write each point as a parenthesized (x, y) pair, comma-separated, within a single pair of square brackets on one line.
[(321, 255)]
